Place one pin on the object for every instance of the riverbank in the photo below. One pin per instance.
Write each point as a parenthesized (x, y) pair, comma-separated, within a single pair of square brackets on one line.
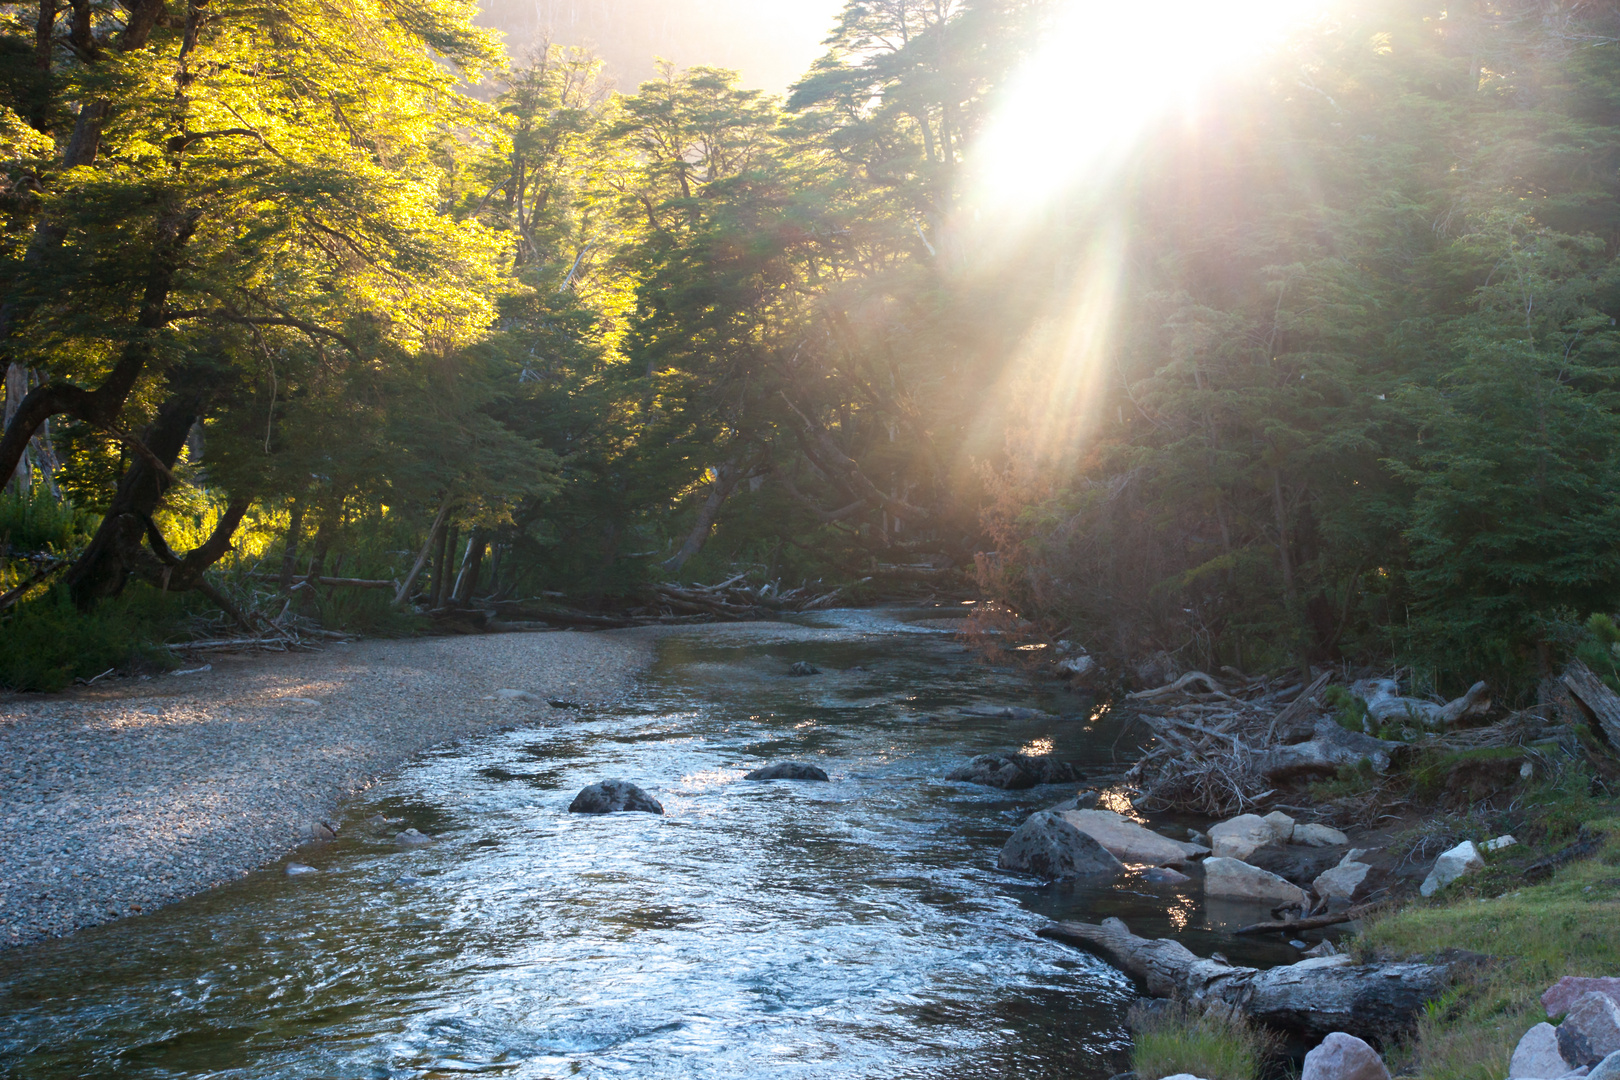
[(115, 800)]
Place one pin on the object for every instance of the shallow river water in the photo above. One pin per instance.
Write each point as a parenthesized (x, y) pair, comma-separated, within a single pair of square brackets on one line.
[(851, 929)]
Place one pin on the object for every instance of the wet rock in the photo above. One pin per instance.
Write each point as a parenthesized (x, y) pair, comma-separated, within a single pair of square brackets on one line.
[(377, 823), (1240, 837), (1537, 1057), (1343, 1057), (1131, 843), (1346, 881), (612, 797), (1563, 993), (1450, 866), (1049, 846), (787, 770), (1160, 875), (801, 669), (412, 838), (317, 830), (298, 869), (1590, 1031), (1282, 826), (1015, 772), (1314, 835), (1232, 879), (1083, 800), (1004, 712), (1298, 864)]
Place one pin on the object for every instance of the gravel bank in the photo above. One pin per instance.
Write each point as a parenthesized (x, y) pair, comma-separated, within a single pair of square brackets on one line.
[(117, 800)]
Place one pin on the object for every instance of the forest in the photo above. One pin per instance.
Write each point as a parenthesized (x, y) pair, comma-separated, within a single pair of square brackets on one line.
[(323, 317)]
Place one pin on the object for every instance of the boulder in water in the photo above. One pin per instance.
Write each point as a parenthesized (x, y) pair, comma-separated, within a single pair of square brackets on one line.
[(1050, 847), (1015, 772), (802, 668), (612, 797), (787, 770)]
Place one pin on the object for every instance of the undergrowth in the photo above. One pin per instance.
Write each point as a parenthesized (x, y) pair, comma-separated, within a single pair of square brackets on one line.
[(46, 643), (1214, 1043)]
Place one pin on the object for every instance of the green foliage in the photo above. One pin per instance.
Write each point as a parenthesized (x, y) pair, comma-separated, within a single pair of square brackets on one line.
[(49, 642), (1190, 1037), (38, 522), (1599, 648), (1349, 711)]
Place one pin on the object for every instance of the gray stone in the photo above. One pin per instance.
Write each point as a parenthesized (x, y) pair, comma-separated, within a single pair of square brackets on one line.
[(1160, 875), (1083, 800), (1314, 835), (412, 838), (1297, 863), (1322, 948), (1049, 846), (1131, 843), (1450, 866), (803, 668), (515, 695), (317, 830), (1233, 879), (1607, 1069), (787, 770), (612, 797), (1015, 772), (1282, 826), (1343, 1057), (1240, 837), (1537, 1057), (1345, 880), (1562, 994), (298, 869), (1590, 1031)]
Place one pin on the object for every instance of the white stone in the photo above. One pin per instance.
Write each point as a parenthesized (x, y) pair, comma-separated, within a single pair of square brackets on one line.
[(1499, 843), (1313, 835), (1450, 866), (1343, 1057), (1341, 881), (1282, 826), (1355, 854), (1241, 837), (298, 869), (515, 695), (412, 838), (1131, 843), (1233, 879), (1537, 1056)]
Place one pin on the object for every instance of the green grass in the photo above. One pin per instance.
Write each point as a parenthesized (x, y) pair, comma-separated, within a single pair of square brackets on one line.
[(1570, 925), (1213, 1044)]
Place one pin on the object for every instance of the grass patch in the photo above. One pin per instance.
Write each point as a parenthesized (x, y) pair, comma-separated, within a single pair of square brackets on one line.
[(1180, 1037), (1570, 925)]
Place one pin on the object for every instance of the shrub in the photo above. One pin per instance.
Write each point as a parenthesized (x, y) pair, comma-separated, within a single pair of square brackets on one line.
[(1215, 1043), (46, 643)]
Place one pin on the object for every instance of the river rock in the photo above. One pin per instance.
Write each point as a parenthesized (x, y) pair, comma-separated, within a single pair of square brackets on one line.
[(298, 869), (1240, 837), (1450, 866), (803, 668), (787, 770), (1015, 772), (412, 838), (1537, 1057), (1343, 1057), (1083, 800), (1233, 879), (1282, 826), (1160, 875), (1590, 1031), (613, 797), (1051, 847), (1297, 863), (1346, 881), (1562, 994), (1314, 835), (317, 830), (1131, 843)]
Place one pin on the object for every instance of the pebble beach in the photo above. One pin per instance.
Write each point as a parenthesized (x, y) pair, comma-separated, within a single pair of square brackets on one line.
[(122, 797)]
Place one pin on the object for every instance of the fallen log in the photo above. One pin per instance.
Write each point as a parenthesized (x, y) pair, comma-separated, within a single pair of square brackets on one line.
[(1594, 698), (1331, 748), (334, 582), (1376, 1002), (1315, 922)]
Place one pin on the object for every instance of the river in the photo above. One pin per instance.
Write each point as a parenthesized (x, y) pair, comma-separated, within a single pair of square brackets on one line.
[(856, 928)]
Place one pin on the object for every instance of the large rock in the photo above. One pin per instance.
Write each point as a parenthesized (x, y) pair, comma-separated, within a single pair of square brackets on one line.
[(1015, 772), (613, 797), (1562, 994), (412, 838), (1131, 843), (1241, 837), (1343, 1057), (1591, 1030), (1051, 847), (787, 770), (1607, 1069), (1347, 881), (1537, 1057), (1282, 826), (1233, 879), (1450, 866), (1314, 835), (1298, 864)]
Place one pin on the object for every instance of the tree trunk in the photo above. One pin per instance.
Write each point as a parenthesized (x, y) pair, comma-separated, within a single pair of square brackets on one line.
[(471, 564), (1376, 1002), (101, 571), (442, 567), (289, 551), (726, 478), (435, 537)]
